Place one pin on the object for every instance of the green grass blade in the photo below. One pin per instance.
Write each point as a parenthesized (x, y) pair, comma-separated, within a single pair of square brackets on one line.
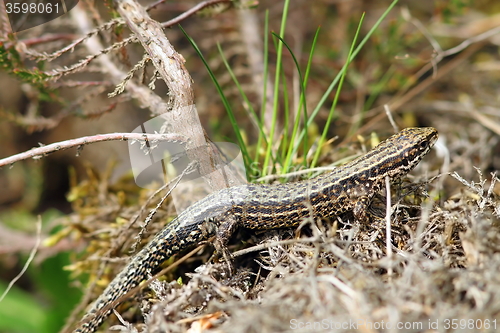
[(265, 77), (229, 110), (286, 144), (279, 64), (302, 103), (286, 108), (337, 94), (250, 109)]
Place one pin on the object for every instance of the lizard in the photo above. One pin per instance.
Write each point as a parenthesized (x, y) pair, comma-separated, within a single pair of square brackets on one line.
[(269, 206)]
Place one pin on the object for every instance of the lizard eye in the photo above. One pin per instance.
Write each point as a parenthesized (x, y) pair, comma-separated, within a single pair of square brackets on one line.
[(423, 145)]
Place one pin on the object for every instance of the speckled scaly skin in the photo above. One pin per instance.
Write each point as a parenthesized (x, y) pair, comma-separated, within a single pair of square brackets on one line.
[(347, 188)]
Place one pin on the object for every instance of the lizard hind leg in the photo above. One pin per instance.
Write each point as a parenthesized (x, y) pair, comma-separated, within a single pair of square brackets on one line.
[(360, 210), (363, 215), (226, 228)]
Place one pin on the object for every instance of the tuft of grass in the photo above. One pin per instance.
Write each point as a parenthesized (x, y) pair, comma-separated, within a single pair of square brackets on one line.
[(279, 152)]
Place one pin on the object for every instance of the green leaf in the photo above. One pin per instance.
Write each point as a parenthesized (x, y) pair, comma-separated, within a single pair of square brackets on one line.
[(21, 313)]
